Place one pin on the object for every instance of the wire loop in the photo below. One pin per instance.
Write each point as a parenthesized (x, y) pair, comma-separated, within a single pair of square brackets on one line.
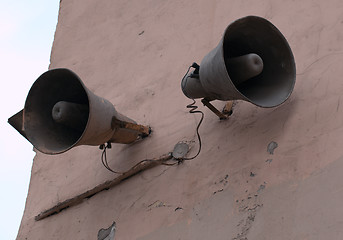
[(193, 110)]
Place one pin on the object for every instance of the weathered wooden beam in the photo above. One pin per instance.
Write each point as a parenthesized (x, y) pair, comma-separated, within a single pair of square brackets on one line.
[(141, 166)]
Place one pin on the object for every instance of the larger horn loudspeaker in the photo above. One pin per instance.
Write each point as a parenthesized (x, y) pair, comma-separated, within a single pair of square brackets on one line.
[(61, 113), (252, 62)]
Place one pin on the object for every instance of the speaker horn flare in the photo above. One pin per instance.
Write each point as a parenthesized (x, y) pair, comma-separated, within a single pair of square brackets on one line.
[(252, 62), (61, 113)]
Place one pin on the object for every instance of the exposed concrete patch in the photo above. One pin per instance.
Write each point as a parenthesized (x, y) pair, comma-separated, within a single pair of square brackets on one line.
[(178, 208), (223, 182), (107, 234), (157, 204), (262, 186), (247, 222), (271, 147), (220, 190), (245, 227), (248, 207), (269, 160)]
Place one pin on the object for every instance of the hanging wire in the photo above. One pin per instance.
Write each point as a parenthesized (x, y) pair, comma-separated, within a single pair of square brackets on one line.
[(104, 158), (105, 163), (193, 108)]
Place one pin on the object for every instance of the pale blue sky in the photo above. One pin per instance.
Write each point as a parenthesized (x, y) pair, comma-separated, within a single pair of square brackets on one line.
[(26, 34)]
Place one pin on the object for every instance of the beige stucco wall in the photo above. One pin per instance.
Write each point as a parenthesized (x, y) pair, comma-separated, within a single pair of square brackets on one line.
[(234, 189)]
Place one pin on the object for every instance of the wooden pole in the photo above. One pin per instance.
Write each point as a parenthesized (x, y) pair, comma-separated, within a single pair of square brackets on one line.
[(141, 166)]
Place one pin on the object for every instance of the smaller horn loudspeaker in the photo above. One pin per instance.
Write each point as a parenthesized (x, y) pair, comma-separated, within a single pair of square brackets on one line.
[(252, 62), (61, 113)]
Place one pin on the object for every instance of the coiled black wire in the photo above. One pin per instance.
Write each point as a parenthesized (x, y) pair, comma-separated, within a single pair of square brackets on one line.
[(193, 108)]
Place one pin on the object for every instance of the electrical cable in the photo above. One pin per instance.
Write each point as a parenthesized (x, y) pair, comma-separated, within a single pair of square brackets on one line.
[(104, 158), (105, 163), (192, 110)]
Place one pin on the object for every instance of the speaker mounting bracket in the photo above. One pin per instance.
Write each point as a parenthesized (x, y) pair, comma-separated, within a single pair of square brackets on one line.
[(137, 129), (227, 111)]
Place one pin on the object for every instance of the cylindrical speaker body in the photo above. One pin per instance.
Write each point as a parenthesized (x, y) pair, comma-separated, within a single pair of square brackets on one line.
[(99, 127), (191, 86), (222, 79), (42, 127)]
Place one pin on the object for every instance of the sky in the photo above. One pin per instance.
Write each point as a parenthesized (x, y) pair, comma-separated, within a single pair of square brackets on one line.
[(27, 30)]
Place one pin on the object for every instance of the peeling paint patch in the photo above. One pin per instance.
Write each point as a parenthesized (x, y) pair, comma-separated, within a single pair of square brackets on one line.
[(249, 208), (271, 147), (262, 186), (157, 204), (107, 234), (220, 190), (223, 180), (246, 223)]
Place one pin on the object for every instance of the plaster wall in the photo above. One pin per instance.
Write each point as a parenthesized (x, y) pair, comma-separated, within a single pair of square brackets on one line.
[(135, 53)]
